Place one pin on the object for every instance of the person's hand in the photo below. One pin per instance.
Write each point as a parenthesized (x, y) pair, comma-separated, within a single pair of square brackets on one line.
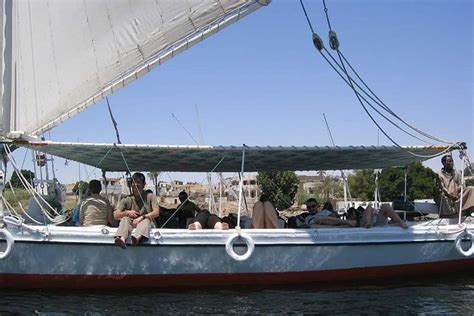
[(132, 214), (137, 220)]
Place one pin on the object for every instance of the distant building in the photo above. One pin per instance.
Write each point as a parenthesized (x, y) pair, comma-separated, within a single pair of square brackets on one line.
[(250, 188), (310, 184)]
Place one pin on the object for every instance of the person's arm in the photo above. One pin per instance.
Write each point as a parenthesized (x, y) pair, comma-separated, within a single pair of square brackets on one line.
[(82, 214), (122, 212), (332, 221), (110, 214), (154, 213)]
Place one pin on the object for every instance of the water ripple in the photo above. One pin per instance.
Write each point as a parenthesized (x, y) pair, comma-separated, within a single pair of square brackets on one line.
[(438, 297)]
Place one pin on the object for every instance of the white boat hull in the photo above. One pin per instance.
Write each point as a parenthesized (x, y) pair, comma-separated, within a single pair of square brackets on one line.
[(70, 257)]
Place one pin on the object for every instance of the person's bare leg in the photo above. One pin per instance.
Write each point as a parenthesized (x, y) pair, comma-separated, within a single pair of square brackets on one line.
[(271, 217), (388, 211), (258, 215), (195, 226), (367, 216), (223, 226)]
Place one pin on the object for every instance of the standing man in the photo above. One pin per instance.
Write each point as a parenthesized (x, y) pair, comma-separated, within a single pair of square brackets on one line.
[(96, 209), (450, 189), (136, 211)]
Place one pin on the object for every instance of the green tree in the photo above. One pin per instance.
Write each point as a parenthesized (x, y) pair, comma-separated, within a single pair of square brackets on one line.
[(279, 186), (15, 180), (421, 182), (391, 183), (80, 187), (362, 184), (302, 196)]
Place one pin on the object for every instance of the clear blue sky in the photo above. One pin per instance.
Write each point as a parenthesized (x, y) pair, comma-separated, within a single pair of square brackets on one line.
[(261, 81)]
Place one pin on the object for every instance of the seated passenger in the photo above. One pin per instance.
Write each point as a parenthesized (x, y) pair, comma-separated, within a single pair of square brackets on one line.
[(264, 215), (136, 211), (328, 210), (319, 220), (96, 209), (449, 182), (204, 219), (372, 217), (186, 209), (355, 214), (299, 221)]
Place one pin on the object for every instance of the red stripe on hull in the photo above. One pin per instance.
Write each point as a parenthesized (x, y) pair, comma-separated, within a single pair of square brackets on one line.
[(228, 279)]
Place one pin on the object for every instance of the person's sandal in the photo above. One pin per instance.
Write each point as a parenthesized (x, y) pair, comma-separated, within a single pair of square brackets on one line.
[(119, 242)]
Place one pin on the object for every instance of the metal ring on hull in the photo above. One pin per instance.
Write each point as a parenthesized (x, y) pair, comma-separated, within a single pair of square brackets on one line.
[(457, 243), (229, 247), (10, 241)]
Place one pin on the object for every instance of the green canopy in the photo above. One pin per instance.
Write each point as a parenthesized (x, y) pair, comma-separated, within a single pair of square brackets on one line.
[(122, 157)]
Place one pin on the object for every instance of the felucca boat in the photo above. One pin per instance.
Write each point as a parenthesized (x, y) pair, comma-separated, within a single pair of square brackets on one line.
[(59, 59)]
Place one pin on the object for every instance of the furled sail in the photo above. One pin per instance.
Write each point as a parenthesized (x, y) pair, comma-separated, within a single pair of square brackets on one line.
[(67, 55)]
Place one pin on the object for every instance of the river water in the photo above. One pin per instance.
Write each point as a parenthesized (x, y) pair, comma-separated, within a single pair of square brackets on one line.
[(440, 296)]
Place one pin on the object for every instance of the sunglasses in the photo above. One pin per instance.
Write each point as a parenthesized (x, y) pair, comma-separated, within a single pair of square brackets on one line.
[(311, 206)]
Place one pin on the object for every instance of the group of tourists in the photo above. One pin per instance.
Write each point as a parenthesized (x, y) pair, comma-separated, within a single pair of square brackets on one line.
[(138, 212)]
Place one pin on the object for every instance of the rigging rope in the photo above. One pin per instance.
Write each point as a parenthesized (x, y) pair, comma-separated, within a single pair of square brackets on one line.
[(388, 109), (182, 204), (30, 188), (381, 104), (189, 134), (334, 43)]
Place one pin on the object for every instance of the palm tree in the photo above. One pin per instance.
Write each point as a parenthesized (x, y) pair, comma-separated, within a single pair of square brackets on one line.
[(329, 187), (153, 175)]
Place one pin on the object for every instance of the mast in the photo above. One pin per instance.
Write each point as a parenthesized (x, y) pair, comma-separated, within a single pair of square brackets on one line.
[(6, 18)]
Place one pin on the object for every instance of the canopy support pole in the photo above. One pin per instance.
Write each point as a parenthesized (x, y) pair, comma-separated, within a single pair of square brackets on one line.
[(220, 200), (344, 183), (463, 156), (104, 177), (406, 183), (210, 195), (376, 193), (241, 183)]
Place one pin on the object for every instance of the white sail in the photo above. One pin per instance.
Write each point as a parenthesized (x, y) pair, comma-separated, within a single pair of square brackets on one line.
[(67, 55)]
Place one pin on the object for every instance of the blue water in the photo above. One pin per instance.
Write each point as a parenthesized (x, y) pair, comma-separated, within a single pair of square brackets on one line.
[(447, 296)]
